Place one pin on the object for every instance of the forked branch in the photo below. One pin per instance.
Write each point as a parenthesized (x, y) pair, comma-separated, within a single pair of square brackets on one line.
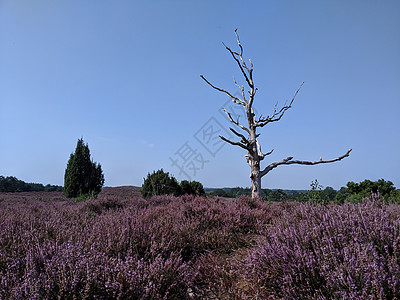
[(277, 115), (260, 154), (236, 122), (289, 161), (238, 57), (244, 139)]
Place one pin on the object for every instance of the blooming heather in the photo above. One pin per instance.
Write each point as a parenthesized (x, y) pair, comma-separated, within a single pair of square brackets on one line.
[(124, 247), (111, 247), (329, 252)]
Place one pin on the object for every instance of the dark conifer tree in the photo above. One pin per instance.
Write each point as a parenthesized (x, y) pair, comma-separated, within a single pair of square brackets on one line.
[(82, 175)]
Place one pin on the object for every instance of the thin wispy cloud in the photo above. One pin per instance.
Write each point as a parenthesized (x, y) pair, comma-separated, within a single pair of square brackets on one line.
[(146, 143)]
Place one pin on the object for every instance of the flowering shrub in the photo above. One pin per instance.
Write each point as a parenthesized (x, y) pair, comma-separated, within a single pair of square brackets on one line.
[(113, 247), (166, 247), (336, 252)]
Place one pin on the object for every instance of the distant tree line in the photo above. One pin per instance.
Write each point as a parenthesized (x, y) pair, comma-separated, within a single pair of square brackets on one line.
[(267, 194), (352, 192), (11, 184)]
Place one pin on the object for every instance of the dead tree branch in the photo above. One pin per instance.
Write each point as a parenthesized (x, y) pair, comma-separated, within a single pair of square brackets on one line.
[(244, 139), (277, 115), (236, 122), (289, 161), (233, 143), (240, 61), (260, 154), (234, 98)]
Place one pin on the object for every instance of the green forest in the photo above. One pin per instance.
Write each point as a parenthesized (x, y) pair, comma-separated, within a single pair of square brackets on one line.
[(12, 184)]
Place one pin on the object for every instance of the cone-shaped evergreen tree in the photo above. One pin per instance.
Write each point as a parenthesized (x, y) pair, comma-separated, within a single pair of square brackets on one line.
[(82, 175)]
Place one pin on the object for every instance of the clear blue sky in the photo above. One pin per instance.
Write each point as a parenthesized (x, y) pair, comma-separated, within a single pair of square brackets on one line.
[(124, 75)]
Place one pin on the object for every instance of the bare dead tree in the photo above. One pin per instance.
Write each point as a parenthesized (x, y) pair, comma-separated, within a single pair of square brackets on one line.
[(248, 140)]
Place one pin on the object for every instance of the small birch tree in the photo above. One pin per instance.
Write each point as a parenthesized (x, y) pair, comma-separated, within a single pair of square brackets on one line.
[(249, 137)]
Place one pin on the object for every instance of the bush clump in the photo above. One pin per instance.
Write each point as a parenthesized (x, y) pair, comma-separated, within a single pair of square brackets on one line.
[(191, 188), (162, 183)]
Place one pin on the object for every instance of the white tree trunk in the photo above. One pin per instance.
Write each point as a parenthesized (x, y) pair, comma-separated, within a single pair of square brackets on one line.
[(255, 177)]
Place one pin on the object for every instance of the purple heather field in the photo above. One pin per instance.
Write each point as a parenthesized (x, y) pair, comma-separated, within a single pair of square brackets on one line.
[(120, 246)]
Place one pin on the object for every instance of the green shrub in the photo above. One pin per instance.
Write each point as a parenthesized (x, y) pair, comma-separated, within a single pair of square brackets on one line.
[(277, 196), (316, 195), (160, 183), (87, 196), (394, 197), (197, 188), (355, 192), (366, 187), (186, 188)]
